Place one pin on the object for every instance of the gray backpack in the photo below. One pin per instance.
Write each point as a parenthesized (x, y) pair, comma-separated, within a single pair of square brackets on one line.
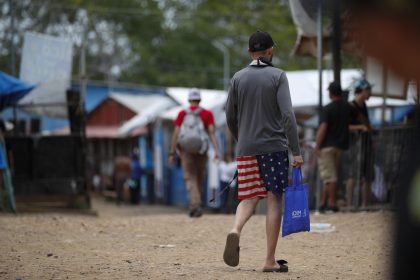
[(193, 137)]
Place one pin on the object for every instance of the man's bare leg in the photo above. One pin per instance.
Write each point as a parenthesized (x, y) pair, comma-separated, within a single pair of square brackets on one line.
[(244, 211), (272, 224)]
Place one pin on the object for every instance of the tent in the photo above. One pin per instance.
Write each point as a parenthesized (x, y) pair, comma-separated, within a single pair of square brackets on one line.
[(147, 107), (12, 90)]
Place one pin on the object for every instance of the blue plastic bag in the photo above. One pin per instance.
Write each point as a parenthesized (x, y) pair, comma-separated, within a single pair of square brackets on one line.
[(296, 209)]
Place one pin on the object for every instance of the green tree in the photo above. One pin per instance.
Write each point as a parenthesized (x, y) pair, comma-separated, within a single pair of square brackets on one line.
[(157, 42), (107, 28)]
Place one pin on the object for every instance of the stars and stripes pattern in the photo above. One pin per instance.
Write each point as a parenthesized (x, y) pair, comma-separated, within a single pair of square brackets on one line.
[(262, 173), (250, 183), (274, 170)]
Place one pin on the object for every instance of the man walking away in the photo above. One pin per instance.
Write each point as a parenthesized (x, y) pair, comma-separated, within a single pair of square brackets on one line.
[(260, 117), (193, 127)]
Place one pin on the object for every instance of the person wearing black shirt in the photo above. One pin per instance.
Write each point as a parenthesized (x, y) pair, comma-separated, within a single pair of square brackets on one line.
[(331, 140), (361, 149)]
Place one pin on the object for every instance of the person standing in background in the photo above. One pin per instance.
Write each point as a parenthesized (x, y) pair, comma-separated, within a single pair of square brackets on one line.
[(135, 183), (360, 146), (331, 140)]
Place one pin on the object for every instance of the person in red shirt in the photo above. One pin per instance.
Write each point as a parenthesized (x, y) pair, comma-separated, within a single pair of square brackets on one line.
[(194, 164)]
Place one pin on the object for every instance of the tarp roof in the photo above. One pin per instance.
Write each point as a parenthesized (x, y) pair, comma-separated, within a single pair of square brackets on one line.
[(12, 90), (147, 108), (137, 103), (97, 92)]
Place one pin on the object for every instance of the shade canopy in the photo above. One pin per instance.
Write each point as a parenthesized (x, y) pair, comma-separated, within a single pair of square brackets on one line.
[(12, 90)]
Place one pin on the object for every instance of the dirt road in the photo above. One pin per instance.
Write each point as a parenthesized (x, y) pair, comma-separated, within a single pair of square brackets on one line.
[(154, 242)]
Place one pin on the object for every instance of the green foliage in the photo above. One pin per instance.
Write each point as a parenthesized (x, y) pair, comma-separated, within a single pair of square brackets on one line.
[(157, 42)]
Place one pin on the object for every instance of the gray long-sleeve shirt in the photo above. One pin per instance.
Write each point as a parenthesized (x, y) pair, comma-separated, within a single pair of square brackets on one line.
[(259, 112)]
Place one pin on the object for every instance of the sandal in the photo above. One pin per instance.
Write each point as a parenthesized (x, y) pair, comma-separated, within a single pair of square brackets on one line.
[(231, 253), (282, 267)]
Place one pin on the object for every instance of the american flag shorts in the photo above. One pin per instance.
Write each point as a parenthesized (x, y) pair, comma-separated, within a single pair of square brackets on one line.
[(262, 173)]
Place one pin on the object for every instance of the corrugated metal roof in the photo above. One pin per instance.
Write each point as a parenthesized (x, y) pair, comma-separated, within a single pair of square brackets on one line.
[(136, 103), (148, 113)]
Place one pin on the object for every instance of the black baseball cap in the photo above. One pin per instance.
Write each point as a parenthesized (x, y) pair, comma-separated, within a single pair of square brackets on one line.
[(260, 41), (335, 88)]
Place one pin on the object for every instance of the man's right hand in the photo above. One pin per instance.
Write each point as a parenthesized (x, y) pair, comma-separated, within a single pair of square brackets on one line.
[(297, 161)]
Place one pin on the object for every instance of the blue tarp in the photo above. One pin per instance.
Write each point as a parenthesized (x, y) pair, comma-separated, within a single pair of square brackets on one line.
[(12, 90)]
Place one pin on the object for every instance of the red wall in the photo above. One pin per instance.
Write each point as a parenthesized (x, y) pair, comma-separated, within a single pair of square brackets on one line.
[(109, 112)]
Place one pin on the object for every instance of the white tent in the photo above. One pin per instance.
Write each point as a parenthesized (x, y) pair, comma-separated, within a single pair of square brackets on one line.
[(148, 107), (304, 88)]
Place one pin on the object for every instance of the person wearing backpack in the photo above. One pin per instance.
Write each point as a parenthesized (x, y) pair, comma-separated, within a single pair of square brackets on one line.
[(194, 127)]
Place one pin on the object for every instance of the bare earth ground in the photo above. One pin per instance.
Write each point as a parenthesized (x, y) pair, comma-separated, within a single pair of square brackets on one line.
[(155, 242)]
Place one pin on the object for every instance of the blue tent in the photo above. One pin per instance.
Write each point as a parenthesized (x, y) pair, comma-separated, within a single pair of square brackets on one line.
[(12, 90)]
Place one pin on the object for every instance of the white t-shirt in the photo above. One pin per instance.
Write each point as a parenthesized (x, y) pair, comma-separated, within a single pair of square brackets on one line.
[(227, 170)]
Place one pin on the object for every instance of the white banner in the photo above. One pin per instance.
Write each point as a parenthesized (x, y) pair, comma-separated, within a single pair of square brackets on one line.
[(47, 63)]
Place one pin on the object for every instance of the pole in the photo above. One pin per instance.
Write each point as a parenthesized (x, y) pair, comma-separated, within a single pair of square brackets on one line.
[(82, 76), (13, 58), (83, 84), (336, 41), (226, 70), (319, 63), (226, 63), (319, 55), (12, 39), (384, 93)]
